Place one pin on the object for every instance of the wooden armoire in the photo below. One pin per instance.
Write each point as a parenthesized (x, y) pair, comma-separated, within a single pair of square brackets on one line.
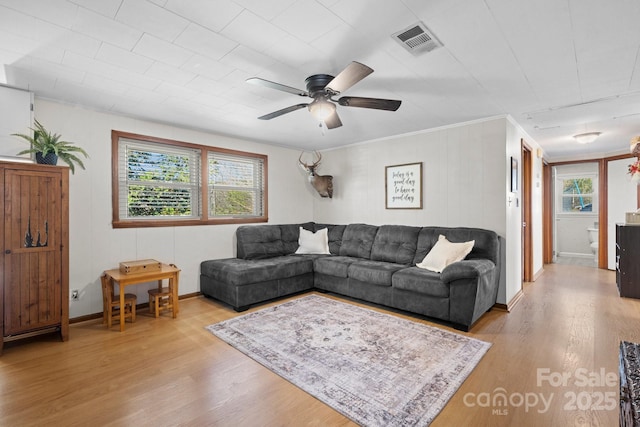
[(34, 231)]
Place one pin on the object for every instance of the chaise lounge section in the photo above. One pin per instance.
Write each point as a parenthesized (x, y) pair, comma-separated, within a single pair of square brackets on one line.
[(376, 264)]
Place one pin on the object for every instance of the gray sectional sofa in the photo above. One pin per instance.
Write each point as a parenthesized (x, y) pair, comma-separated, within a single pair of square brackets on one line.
[(372, 263)]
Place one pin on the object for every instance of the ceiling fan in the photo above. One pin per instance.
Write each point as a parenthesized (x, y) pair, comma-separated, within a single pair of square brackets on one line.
[(322, 88)]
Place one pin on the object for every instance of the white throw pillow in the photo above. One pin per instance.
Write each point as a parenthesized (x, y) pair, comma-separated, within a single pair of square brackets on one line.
[(313, 243), (444, 253)]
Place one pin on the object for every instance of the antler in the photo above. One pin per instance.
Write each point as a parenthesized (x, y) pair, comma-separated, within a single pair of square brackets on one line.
[(316, 163)]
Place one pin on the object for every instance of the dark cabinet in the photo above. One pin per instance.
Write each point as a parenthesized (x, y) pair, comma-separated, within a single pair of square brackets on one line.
[(628, 260), (34, 291)]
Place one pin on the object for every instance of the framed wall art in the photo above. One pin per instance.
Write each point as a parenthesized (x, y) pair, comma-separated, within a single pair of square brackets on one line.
[(403, 186)]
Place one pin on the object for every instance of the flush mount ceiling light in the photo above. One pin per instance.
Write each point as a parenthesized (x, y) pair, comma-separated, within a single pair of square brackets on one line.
[(586, 138)]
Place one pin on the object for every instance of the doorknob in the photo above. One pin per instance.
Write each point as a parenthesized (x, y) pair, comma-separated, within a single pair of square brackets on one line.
[(8, 251)]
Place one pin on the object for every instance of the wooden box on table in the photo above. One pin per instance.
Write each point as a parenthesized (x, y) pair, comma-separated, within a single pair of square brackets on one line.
[(140, 266)]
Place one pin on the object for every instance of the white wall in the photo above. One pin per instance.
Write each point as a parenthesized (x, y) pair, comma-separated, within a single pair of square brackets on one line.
[(513, 256), (623, 196), (515, 136), (536, 207), (95, 246), (572, 235), (465, 183), (15, 117)]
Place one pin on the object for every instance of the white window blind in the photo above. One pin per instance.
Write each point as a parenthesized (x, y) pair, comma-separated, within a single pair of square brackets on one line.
[(236, 187), (158, 181)]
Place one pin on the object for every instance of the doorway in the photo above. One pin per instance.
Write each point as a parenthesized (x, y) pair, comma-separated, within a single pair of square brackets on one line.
[(575, 213), (616, 196)]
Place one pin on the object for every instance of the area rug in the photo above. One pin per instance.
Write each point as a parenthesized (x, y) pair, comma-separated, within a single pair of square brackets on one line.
[(629, 366), (375, 368)]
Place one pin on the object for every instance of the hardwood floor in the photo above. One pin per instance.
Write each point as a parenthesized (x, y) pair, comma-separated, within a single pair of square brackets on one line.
[(166, 372)]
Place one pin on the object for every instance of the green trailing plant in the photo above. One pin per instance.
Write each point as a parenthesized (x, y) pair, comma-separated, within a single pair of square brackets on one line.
[(44, 142)]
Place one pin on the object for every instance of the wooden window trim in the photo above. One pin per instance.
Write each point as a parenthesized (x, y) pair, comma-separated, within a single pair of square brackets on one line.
[(204, 220)]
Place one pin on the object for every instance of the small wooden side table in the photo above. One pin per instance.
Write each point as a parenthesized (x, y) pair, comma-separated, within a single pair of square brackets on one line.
[(170, 272)]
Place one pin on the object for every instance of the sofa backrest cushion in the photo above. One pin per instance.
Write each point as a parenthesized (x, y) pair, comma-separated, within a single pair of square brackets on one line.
[(335, 236), (487, 243), (357, 240), (259, 241), (395, 243), (290, 234)]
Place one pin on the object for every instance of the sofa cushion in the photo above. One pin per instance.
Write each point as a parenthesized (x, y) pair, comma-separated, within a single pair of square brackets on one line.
[(259, 241), (337, 266), (313, 243), (357, 240), (395, 243), (335, 236), (290, 233), (444, 253), (374, 272), (238, 272), (487, 244), (421, 281)]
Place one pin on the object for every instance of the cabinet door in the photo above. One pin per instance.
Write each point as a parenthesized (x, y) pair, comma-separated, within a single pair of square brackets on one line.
[(629, 278), (32, 260)]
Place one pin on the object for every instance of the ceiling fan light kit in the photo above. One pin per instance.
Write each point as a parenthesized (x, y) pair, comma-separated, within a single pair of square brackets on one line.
[(322, 88), (321, 109), (587, 138)]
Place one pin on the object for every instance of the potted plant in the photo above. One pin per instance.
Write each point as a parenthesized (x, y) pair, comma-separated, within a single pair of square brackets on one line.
[(48, 148)]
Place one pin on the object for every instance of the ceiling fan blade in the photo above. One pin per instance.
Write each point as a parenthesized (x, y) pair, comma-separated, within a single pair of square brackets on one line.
[(266, 83), (333, 121), (349, 76), (375, 103), (281, 112)]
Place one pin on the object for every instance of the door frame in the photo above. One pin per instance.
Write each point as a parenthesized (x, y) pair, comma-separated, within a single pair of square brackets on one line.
[(527, 244), (603, 214)]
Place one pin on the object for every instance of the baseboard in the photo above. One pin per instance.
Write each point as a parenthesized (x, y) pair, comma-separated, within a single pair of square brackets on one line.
[(89, 317), (515, 300), (538, 274), (94, 316), (511, 304), (575, 255)]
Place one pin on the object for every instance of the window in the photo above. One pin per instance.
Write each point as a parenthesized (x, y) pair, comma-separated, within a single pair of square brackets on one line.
[(159, 182), (577, 194), (235, 185)]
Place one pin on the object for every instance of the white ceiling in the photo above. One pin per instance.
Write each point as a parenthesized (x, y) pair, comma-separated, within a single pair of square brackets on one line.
[(558, 67)]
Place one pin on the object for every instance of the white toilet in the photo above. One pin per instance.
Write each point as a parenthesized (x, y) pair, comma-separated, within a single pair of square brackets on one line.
[(593, 242)]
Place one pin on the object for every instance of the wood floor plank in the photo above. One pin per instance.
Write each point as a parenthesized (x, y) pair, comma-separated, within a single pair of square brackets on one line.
[(167, 372)]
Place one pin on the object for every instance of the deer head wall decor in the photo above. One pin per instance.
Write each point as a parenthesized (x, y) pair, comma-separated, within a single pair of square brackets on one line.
[(322, 183)]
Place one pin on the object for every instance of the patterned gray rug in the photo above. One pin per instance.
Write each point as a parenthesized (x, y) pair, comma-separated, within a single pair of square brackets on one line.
[(375, 368)]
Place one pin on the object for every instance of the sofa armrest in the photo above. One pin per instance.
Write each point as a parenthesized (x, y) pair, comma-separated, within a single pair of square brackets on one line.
[(473, 289), (466, 269)]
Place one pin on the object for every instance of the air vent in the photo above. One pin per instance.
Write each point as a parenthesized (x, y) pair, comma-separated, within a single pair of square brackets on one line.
[(417, 39)]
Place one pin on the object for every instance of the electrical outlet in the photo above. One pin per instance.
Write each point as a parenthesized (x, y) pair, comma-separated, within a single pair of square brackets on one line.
[(75, 295)]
